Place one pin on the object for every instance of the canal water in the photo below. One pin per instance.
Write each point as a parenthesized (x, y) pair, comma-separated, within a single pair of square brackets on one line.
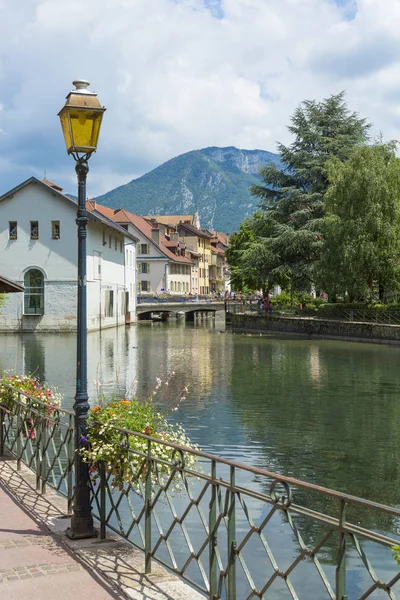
[(324, 411)]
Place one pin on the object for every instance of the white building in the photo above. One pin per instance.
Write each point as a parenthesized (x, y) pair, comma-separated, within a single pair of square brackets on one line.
[(39, 250)]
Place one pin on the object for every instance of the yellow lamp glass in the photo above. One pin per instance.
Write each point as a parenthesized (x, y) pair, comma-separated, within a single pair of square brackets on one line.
[(81, 120)]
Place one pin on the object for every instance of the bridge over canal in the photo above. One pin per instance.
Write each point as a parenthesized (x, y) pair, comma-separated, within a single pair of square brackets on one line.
[(190, 309)]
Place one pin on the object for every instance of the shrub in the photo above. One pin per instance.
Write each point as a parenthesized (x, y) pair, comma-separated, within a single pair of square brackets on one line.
[(282, 299)]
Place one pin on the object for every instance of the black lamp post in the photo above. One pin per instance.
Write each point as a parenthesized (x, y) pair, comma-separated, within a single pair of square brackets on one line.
[(81, 120)]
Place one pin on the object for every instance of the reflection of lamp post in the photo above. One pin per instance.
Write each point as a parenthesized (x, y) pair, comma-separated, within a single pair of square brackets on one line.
[(80, 120)]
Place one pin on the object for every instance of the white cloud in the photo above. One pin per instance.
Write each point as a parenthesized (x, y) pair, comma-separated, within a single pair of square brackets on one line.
[(177, 75)]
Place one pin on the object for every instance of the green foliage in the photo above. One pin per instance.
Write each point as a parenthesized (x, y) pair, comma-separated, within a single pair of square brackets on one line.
[(396, 554), (289, 227), (285, 299), (342, 305), (208, 179), (244, 276), (362, 226), (382, 307), (125, 460)]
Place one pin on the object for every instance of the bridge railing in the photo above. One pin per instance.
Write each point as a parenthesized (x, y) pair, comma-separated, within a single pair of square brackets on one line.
[(168, 299), (231, 530)]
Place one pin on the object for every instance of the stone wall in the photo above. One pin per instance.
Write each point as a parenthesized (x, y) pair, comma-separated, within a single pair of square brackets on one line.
[(318, 328)]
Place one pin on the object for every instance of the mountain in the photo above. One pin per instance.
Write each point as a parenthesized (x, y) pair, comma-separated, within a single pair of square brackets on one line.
[(214, 180)]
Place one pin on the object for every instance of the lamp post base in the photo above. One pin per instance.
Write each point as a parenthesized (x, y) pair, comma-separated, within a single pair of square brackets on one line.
[(81, 531)]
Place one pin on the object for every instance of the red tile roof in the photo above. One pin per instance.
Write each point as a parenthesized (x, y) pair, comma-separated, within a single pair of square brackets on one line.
[(192, 229), (124, 216)]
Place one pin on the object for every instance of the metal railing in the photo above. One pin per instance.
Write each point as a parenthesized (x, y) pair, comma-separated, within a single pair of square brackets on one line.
[(210, 525), (367, 315), (232, 531), (348, 315), (40, 438), (177, 298)]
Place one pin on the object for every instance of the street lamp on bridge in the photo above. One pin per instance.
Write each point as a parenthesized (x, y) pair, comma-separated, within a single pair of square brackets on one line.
[(81, 119)]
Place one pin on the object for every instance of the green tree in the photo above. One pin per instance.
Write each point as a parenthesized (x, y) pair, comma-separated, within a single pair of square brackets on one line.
[(362, 227), (239, 243), (292, 193)]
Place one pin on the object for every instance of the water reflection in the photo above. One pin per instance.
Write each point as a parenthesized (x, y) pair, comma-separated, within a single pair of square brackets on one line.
[(315, 364), (324, 411)]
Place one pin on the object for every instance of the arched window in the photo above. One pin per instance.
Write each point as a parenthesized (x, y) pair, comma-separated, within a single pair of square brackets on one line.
[(34, 292)]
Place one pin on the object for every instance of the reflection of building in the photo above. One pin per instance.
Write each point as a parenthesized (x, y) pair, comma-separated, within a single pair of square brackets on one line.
[(190, 354), (112, 361), (315, 366), (38, 249)]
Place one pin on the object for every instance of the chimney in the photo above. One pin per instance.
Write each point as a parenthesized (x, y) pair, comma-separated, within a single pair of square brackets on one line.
[(92, 204), (155, 233)]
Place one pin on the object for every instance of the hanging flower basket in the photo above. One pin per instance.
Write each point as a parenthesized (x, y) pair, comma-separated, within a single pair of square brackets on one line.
[(125, 455)]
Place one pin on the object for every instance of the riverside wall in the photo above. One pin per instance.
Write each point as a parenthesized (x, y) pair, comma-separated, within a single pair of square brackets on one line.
[(316, 328)]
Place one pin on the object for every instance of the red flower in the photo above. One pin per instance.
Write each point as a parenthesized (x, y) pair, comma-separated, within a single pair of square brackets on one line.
[(147, 430)]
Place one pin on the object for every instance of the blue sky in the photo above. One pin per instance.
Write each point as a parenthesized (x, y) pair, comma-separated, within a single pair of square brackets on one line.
[(177, 75)]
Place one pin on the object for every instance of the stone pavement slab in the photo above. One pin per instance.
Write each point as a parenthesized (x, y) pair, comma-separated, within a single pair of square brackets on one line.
[(38, 562)]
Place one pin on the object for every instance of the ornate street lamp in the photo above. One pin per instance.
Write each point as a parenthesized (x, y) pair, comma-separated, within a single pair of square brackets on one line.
[(80, 121)]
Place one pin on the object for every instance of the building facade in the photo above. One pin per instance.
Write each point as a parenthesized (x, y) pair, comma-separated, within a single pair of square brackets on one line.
[(199, 242), (163, 267), (39, 250)]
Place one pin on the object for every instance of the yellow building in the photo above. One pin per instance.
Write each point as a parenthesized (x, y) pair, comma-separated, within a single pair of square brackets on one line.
[(198, 241)]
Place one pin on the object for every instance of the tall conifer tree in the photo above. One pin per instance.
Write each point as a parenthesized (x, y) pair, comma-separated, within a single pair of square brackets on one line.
[(292, 193)]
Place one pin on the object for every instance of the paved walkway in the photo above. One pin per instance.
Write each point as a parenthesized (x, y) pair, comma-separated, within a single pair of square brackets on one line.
[(37, 561)]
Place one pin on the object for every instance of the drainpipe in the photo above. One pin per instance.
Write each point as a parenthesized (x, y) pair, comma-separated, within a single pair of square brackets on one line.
[(166, 284)]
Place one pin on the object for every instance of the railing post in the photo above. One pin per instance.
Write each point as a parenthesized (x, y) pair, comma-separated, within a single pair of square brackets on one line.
[(70, 459), (1, 431), (102, 473), (36, 430), (341, 556), (19, 433), (43, 462), (148, 507), (232, 540), (212, 521)]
